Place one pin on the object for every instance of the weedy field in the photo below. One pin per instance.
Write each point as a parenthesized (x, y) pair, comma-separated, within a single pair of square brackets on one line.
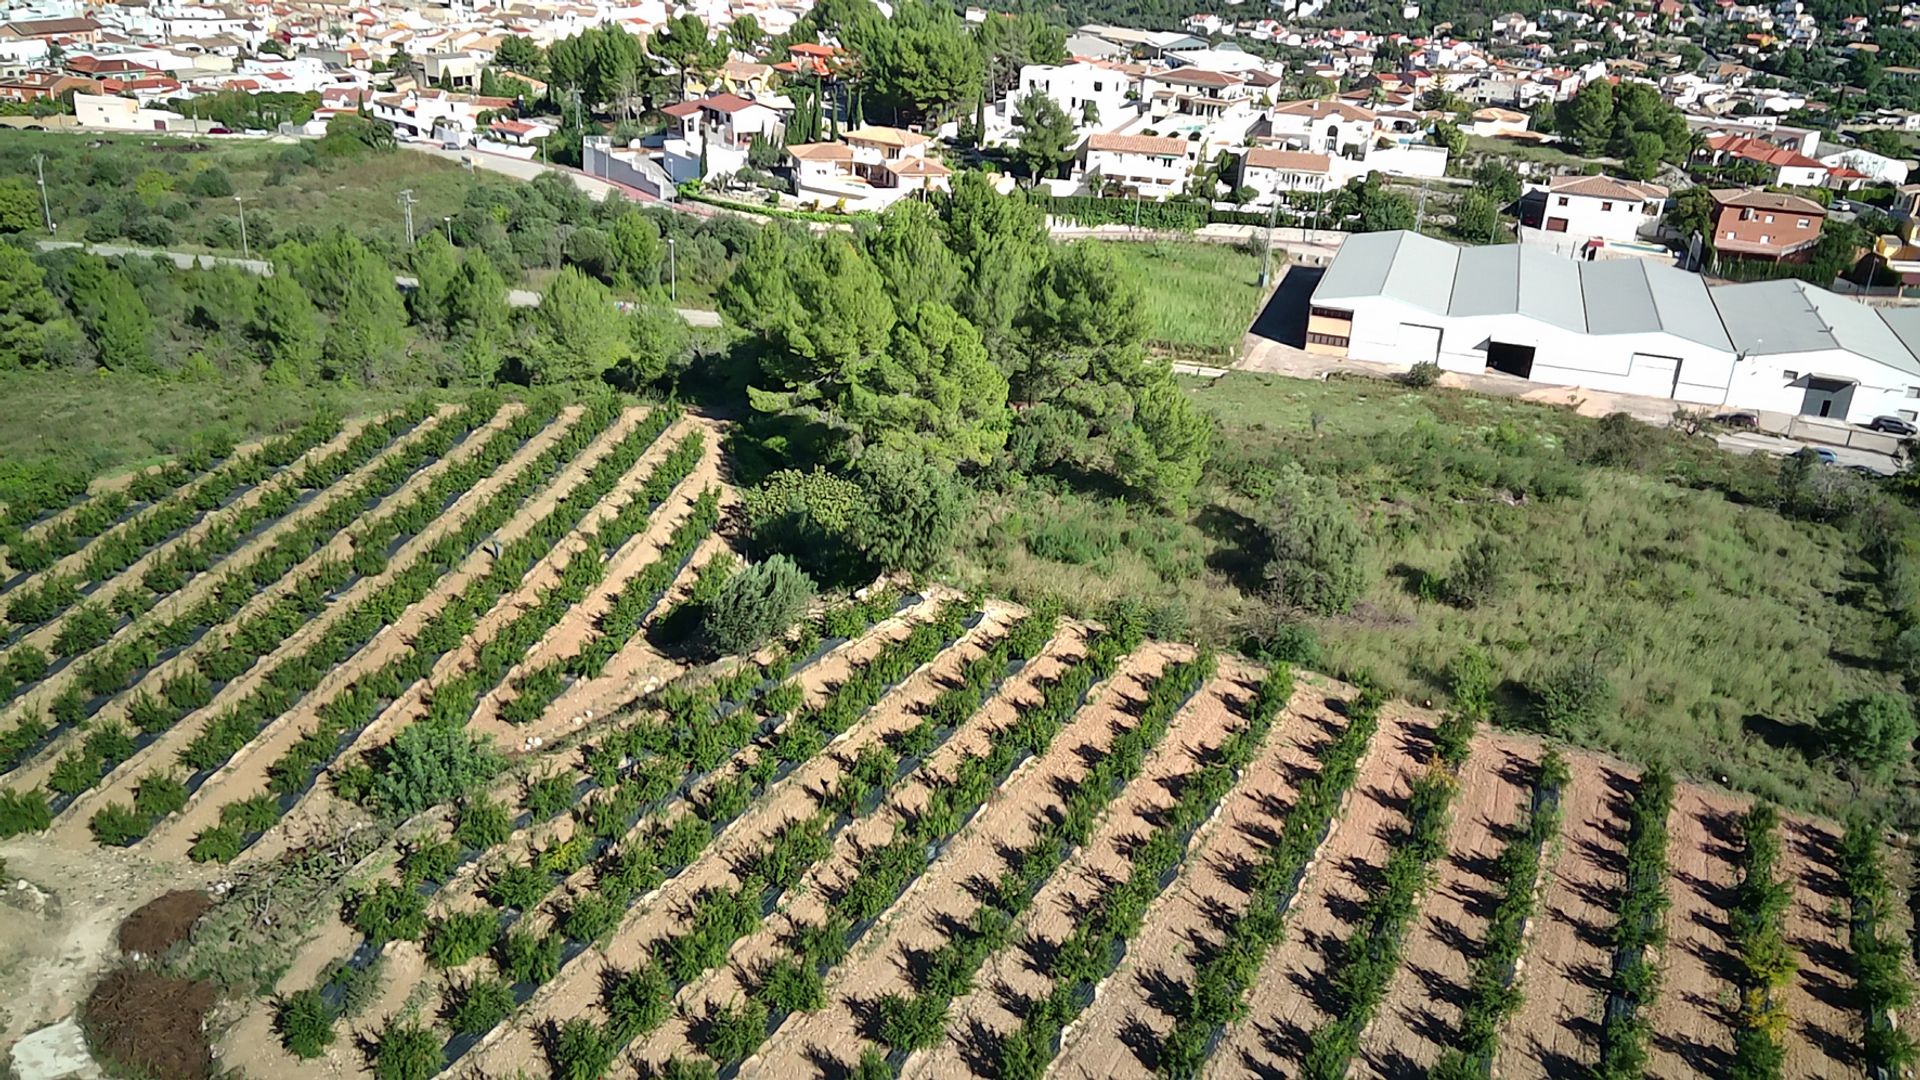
[(407, 678)]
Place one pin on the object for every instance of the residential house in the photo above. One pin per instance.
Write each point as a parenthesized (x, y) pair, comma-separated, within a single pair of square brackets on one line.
[(80, 31), (1877, 168), (44, 86), (1589, 208), (719, 129), (1788, 168), (513, 138), (869, 175), (436, 115), (1765, 224), (1149, 166), (1328, 127), (1275, 174), (1493, 121)]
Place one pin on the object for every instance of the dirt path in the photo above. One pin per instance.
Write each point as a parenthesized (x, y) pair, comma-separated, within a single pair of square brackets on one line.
[(1567, 962), (828, 1042), (200, 585), (35, 772), (1119, 1036), (1293, 995), (248, 774), (1692, 1033), (1013, 978), (578, 625), (667, 911), (43, 637), (1420, 1017), (57, 934), (1825, 1037)]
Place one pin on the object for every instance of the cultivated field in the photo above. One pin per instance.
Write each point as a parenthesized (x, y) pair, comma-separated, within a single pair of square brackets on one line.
[(929, 834)]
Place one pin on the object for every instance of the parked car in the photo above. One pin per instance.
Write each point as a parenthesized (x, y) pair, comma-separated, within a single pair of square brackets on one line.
[(1746, 420), (1894, 425), (1820, 454)]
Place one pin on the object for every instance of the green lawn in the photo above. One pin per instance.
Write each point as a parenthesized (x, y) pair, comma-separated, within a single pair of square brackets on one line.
[(1723, 626), (87, 175), (1201, 297), (102, 423), (1517, 150)]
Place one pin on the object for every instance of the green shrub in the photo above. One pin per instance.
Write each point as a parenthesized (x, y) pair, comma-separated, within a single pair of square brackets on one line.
[(459, 937), (1874, 732), (481, 1006), (115, 825), (581, 1050), (482, 823), (428, 764), (527, 958), (754, 606), (221, 844), (23, 812), (1570, 698), (406, 1050), (390, 912), (1422, 374), (1480, 574), (305, 1022), (730, 1034)]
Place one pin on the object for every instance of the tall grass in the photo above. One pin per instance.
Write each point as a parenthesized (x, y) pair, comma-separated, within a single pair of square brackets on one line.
[(1723, 627), (1199, 295)]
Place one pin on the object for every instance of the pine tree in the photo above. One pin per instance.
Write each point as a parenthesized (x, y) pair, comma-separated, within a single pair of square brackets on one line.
[(285, 326), (26, 307)]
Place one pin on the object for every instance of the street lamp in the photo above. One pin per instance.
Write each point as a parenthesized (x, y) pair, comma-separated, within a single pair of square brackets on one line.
[(46, 212), (245, 252), (673, 274), (449, 220)]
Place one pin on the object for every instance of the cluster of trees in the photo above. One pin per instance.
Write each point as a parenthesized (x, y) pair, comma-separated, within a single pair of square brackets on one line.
[(1630, 121), (956, 342)]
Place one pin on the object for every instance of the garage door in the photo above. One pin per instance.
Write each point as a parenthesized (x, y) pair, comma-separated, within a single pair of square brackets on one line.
[(1418, 343), (1655, 374)]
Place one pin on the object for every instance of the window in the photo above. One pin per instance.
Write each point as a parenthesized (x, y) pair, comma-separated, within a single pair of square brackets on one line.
[(1913, 391), (1327, 339), (1769, 219), (1800, 224), (1562, 202), (1605, 206), (1729, 235), (1098, 87), (1790, 375), (1765, 239)]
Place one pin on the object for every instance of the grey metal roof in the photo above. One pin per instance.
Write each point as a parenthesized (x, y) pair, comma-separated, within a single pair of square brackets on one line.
[(1635, 296), (1403, 266), (1514, 279), (1905, 324), (1766, 318)]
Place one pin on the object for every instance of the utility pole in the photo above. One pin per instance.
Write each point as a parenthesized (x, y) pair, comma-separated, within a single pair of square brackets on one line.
[(406, 208), (673, 274), (449, 220), (245, 252), (46, 211), (1266, 249), (1420, 217)]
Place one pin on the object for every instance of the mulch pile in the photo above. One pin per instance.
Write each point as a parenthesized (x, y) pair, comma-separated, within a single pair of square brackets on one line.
[(162, 922), (150, 1024)]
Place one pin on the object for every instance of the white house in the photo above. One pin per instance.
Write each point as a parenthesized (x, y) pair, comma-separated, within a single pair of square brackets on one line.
[(1594, 208), (436, 115), (1094, 95), (1326, 127), (1275, 173), (1494, 121), (1875, 167), (1150, 166), (1622, 326), (719, 129)]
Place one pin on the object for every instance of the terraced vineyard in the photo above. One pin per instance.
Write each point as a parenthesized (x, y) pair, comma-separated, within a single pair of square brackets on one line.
[(926, 834)]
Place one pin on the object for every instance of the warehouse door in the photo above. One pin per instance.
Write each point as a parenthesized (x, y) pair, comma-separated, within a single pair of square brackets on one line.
[(1650, 371), (1419, 343), (1827, 397), (1512, 359)]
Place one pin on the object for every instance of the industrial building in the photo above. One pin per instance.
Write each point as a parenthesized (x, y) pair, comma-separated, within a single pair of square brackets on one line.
[(1627, 326)]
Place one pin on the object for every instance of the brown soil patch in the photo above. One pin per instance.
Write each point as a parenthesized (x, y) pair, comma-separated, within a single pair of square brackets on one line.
[(160, 923), (150, 1024)]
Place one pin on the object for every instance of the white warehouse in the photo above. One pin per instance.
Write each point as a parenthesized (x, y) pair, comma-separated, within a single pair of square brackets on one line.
[(1624, 326)]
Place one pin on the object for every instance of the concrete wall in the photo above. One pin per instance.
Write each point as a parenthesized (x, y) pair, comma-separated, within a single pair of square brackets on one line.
[(599, 159)]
